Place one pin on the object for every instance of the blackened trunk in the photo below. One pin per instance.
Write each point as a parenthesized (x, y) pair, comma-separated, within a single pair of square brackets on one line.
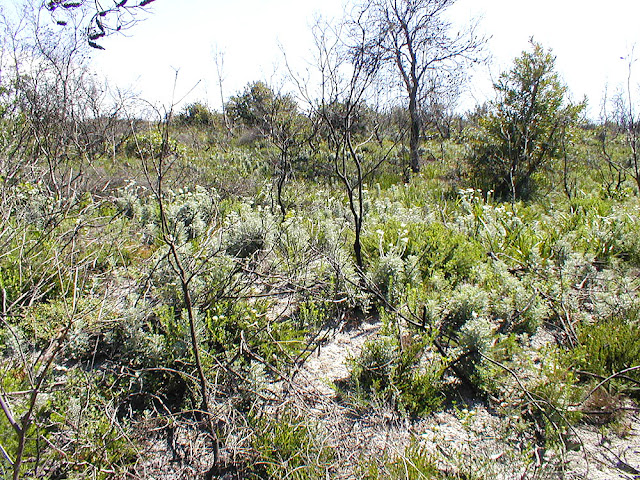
[(357, 246), (414, 138)]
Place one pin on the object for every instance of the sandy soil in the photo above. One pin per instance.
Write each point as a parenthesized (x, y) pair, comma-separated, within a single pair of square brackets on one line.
[(471, 437)]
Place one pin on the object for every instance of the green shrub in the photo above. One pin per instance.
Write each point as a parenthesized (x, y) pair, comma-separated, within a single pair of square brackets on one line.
[(190, 213), (148, 146), (248, 232), (231, 323), (514, 302), (415, 463), (555, 392), (312, 314), (610, 346), (84, 417), (388, 276), (372, 371), (402, 377), (26, 279), (289, 447), (464, 303), (441, 249), (433, 248), (197, 114), (16, 380)]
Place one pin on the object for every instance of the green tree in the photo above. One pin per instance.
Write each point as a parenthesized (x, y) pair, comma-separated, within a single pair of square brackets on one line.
[(259, 107), (197, 114), (525, 127)]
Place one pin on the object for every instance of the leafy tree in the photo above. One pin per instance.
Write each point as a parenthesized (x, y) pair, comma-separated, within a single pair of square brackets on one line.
[(525, 127), (198, 114), (259, 107)]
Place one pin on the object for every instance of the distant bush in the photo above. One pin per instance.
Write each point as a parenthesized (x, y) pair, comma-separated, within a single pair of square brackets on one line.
[(197, 114), (148, 146)]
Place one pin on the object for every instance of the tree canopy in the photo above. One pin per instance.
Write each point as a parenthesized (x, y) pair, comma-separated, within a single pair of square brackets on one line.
[(525, 126), (414, 40)]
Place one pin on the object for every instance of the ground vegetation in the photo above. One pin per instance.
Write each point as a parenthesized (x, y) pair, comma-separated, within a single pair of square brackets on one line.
[(164, 315)]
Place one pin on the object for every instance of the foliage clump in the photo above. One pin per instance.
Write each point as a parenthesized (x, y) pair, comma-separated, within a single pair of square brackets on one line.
[(171, 281), (288, 447), (611, 346), (525, 128), (398, 373)]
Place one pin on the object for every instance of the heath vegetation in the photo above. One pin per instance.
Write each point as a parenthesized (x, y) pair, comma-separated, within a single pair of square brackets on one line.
[(168, 277)]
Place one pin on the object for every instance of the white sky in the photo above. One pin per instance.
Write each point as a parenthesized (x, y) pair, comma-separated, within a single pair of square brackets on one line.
[(588, 37)]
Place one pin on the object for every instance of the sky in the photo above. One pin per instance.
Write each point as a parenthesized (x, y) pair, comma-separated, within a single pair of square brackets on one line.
[(592, 42)]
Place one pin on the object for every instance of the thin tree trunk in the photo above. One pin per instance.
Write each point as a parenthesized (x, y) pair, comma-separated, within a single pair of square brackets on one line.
[(414, 135)]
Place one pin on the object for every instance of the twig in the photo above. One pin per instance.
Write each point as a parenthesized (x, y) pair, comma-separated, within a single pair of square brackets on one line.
[(537, 402), (610, 377)]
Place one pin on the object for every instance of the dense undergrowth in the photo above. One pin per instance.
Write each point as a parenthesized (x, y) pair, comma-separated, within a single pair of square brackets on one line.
[(95, 315), (165, 283)]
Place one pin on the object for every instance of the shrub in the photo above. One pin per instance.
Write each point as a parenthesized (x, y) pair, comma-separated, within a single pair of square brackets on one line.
[(514, 302), (85, 418), (403, 377), (228, 324), (190, 213), (610, 346), (555, 393), (197, 114), (372, 371), (387, 275), (440, 249), (415, 463), (475, 335), (289, 447), (525, 129), (465, 302), (248, 232), (148, 146)]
